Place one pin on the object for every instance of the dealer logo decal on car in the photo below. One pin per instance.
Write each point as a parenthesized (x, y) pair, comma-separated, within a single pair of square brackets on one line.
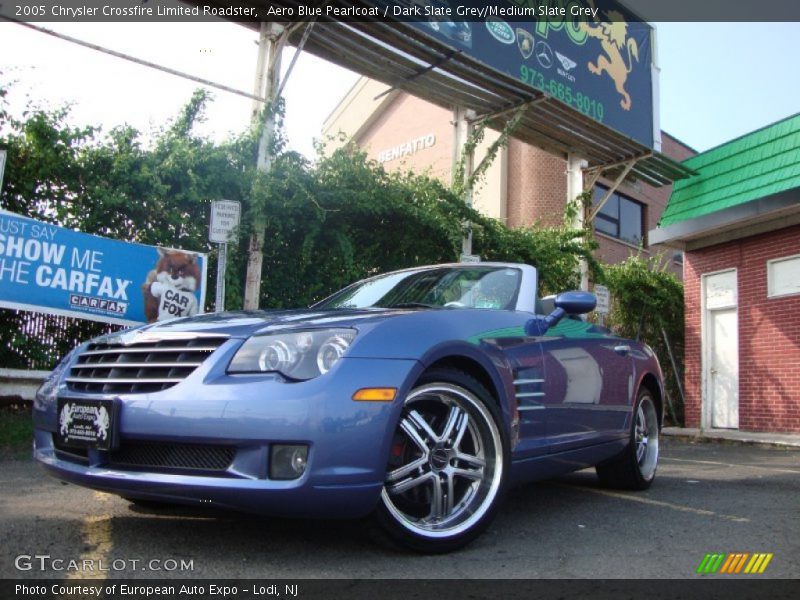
[(84, 422)]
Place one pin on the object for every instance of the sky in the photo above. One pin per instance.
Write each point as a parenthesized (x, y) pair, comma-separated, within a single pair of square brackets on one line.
[(718, 80)]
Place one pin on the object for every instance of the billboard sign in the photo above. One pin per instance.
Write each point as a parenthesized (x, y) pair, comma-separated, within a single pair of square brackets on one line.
[(52, 269), (594, 56)]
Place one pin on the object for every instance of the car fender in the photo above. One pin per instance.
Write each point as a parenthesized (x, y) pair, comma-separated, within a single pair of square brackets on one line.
[(494, 365), (645, 364)]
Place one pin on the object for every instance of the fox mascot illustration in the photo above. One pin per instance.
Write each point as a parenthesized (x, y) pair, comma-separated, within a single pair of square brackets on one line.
[(169, 288)]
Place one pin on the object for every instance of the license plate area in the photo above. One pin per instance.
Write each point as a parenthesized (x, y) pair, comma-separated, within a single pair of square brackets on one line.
[(86, 423)]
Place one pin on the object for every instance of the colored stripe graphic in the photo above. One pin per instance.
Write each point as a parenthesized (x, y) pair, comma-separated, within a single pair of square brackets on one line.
[(733, 563), (710, 563), (758, 564), (728, 562), (741, 562)]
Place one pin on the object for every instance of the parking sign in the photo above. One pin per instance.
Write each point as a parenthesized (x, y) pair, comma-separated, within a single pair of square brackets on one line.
[(225, 216)]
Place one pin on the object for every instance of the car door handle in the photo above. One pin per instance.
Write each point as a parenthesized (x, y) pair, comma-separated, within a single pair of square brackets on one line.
[(622, 350)]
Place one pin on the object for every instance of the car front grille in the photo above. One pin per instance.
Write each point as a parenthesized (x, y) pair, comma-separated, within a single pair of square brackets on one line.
[(195, 457), (150, 364), (208, 459)]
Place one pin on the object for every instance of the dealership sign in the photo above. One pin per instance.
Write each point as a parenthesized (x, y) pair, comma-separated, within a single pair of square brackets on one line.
[(407, 148), (51, 269), (594, 56)]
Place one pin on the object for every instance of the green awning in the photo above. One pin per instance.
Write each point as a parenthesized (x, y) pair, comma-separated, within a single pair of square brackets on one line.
[(755, 166)]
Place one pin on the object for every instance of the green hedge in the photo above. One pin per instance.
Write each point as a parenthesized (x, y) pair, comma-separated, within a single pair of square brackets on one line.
[(646, 300), (327, 222)]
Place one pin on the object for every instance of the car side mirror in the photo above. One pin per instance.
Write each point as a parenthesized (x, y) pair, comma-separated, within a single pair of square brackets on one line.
[(576, 303), (568, 303)]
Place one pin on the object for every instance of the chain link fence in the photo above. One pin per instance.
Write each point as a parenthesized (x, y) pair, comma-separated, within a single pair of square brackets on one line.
[(37, 341)]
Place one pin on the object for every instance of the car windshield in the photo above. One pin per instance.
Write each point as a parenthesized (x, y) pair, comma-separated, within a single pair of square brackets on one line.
[(456, 287)]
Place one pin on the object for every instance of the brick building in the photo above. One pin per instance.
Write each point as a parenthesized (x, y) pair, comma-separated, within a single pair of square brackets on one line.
[(525, 185), (738, 221)]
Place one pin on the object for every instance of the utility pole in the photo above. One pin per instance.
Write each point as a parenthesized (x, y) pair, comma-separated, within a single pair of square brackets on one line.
[(575, 167), (270, 46)]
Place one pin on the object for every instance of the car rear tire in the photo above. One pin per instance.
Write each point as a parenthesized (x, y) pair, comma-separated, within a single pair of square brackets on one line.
[(635, 468), (448, 464)]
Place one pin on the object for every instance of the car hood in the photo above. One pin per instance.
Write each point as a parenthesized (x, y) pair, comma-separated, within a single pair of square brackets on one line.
[(246, 323)]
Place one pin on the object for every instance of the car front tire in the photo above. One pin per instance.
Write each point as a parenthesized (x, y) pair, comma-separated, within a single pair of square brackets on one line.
[(447, 467), (635, 468)]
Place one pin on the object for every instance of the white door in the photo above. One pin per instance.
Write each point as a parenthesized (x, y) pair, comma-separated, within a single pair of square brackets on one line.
[(723, 371)]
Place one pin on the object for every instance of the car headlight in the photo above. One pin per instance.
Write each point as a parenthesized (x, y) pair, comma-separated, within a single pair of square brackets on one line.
[(297, 355)]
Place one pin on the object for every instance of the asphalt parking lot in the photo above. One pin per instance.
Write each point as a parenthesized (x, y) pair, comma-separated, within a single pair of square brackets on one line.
[(707, 498)]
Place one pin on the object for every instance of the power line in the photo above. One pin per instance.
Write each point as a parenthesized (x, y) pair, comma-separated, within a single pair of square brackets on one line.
[(133, 59)]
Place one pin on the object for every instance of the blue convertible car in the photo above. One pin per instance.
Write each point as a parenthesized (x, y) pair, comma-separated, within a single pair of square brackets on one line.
[(418, 396)]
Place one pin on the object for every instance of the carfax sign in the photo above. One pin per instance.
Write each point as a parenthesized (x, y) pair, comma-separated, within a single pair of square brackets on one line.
[(592, 55), (56, 270)]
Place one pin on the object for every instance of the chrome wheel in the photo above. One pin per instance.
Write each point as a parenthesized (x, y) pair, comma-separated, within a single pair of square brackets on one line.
[(446, 464), (646, 438)]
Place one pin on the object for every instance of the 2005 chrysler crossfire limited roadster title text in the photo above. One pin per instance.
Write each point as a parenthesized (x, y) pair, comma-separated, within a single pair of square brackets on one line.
[(418, 396)]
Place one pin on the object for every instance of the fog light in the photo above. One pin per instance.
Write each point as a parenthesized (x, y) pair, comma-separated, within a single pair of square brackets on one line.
[(288, 461)]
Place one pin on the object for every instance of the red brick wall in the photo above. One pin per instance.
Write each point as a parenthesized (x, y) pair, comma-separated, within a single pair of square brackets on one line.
[(674, 148), (655, 201), (408, 118), (537, 186), (537, 180), (769, 332), (537, 192)]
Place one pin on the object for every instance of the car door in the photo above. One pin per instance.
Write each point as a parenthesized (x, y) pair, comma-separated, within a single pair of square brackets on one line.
[(588, 385), (524, 354)]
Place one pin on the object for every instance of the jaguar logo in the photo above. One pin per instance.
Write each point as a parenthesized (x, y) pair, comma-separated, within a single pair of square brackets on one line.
[(614, 41)]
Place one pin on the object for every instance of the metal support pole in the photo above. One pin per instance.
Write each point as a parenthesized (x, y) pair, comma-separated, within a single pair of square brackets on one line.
[(3, 155), (677, 376), (620, 178), (462, 130), (222, 260), (271, 42), (575, 167)]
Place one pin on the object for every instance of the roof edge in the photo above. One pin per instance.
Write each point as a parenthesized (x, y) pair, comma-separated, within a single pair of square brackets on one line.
[(745, 135), (691, 232)]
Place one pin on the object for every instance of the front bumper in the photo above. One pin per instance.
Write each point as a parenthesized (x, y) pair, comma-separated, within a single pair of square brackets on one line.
[(349, 442)]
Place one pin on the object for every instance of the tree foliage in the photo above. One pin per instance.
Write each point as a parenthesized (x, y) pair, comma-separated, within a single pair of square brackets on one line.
[(326, 223), (345, 217), (115, 185), (648, 299)]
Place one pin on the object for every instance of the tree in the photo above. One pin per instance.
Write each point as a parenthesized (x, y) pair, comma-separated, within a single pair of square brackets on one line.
[(648, 302), (111, 185), (328, 223)]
